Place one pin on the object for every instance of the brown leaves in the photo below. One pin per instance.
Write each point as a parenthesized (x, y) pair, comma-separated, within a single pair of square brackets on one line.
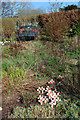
[(57, 24)]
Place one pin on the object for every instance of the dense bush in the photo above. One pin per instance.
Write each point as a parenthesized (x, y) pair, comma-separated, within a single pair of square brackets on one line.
[(8, 27), (69, 7), (58, 23), (53, 24), (75, 29)]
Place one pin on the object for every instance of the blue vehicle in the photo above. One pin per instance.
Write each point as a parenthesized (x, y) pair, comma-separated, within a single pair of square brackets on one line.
[(28, 31)]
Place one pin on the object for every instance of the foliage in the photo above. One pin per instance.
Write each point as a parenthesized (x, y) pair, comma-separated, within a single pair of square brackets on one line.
[(18, 62), (73, 54), (57, 24), (68, 109), (15, 75), (12, 49), (65, 109), (8, 27), (69, 7), (75, 29), (36, 111), (12, 56), (54, 63), (19, 112)]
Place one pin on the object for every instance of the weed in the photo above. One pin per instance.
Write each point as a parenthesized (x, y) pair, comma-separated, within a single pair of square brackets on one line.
[(73, 54), (15, 78)]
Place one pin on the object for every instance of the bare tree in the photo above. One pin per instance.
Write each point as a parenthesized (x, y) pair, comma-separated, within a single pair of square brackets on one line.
[(29, 11), (10, 9), (24, 9), (5, 9), (79, 4), (54, 7)]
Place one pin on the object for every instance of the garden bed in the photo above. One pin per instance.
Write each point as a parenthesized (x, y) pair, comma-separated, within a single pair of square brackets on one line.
[(31, 64)]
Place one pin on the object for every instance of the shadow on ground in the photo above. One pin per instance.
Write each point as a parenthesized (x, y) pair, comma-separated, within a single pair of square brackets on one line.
[(25, 38)]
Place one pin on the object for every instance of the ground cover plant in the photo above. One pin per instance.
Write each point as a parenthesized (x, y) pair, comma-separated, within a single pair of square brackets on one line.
[(28, 67)]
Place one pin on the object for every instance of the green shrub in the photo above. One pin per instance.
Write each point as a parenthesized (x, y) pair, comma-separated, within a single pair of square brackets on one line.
[(68, 109), (8, 27), (19, 112), (36, 111), (64, 109), (73, 54), (55, 64), (53, 60), (69, 7), (75, 29)]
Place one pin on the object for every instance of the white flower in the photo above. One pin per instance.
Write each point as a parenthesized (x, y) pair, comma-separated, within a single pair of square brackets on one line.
[(49, 92), (3, 44), (39, 89), (51, 97), (54, 100), (51, 81), (55, 96), (47, 88), (70, 30), (41, 99), (58, 94), (45, 99), (58, 99), (0, 108), (52, 103), (42, 89), (53, 93)]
